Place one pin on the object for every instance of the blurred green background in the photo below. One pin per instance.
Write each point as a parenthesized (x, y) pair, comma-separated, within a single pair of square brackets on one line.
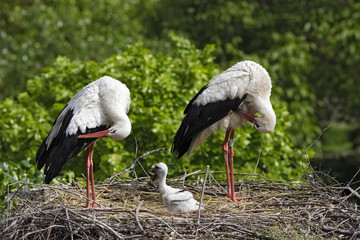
[(165, 51)]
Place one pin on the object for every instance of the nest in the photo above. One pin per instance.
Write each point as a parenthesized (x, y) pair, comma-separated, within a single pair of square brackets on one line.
[(132, 209)]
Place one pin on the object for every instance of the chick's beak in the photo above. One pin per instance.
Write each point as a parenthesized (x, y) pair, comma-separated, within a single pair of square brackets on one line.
[(152, 171)]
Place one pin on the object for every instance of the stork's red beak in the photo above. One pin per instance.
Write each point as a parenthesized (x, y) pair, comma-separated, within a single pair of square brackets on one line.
[(247, 116), (100, 134)]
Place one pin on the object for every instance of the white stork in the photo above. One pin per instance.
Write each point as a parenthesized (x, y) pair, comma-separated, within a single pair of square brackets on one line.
[(227, 102), (98, 110), (176, 200)]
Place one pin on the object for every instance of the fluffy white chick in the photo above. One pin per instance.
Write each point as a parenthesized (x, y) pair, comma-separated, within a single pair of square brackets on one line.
[(176, 200)]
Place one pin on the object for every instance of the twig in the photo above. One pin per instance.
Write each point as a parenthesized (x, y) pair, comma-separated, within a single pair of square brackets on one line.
[(142, 167), (258, 160), (217, 183), (49, 231), (137, 216), (169, 226), (317, 139), (352, 179), (40, 230), (202, 195), (64, 190), (9, 202), (223, 172), (8, 175), (132, 166), (183, 182), (135, 157), (102, 225), (136, 148), (353, 192), (70, 227), (341, 231)]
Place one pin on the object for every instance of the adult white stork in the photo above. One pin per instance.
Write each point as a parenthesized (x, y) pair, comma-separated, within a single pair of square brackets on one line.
[(98, 110), (228, 101)]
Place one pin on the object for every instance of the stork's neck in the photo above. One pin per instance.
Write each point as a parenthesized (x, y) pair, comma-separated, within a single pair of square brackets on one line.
[(162, 182)]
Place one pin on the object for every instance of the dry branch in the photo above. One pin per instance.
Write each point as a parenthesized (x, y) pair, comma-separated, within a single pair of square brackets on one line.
[(137, 216), (202, 195)]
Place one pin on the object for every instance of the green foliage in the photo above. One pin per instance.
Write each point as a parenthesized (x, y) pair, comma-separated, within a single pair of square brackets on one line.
[(33, 33), (160, 85), (336, 37), (310, 48), (338, 140), (20, 121)]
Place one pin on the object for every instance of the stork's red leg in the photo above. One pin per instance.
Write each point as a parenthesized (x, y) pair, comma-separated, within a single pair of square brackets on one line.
[(231, 158), (229, 164), (226, 159), (91, 165), (90, 175), (87, 173)]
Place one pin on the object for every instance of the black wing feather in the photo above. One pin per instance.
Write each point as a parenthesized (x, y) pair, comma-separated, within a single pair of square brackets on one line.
[(198, 118), (62, 148), (194, 98)]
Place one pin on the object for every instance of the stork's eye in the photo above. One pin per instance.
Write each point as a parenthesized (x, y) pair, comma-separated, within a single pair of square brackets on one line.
[(113, 131)]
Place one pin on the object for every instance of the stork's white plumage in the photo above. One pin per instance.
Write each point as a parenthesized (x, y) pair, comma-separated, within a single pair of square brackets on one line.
[(228, 101), (176, 200), (98, 110)]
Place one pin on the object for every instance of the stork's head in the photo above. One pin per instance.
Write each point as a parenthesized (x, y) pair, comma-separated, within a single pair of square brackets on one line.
[(119, 131), (264, 124), (257, 99), (160, 170)]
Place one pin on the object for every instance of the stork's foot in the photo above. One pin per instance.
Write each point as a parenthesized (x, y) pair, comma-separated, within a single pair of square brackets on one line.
[(235, 198)]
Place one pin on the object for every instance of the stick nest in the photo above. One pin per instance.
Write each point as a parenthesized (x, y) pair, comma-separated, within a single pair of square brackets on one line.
[(132, 209)]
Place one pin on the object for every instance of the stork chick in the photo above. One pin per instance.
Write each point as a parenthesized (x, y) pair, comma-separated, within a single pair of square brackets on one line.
[(176, 200)]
